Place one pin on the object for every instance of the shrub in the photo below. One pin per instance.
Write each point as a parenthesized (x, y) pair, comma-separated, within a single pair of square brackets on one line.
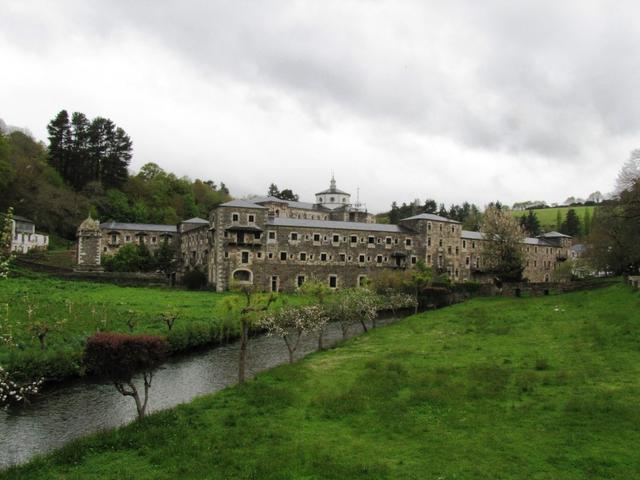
[(194, 280)]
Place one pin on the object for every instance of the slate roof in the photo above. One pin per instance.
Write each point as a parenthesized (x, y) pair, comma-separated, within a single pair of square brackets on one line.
[(196, 220), (337, 191), (20, 218), (336, 225), (241, 204), (291, 203), (554, 234), (430, 216), (470, 235), (147, 227)]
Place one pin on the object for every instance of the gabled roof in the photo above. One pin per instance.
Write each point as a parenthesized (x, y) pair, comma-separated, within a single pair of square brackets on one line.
[(430, 216), (554, 234), (196, 220), (336, 225), (470, 235), (291, 203), (20, 218), (241, 204), (148, 227)]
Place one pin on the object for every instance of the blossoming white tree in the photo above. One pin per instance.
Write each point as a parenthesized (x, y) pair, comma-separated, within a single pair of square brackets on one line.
[(6, 256), (291, 322)]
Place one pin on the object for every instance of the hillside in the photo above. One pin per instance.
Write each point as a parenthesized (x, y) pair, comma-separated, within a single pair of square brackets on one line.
[(542, 388), (548, 216)]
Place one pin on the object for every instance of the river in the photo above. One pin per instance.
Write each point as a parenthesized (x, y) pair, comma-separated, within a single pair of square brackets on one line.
[(84, 406)]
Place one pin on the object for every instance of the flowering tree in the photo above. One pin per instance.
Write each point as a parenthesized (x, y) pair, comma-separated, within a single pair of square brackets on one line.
[(396, 301), (291, 322), (502, 251), (320, 291), (14, 392), (248, 308), (119, 357), (6, 256)]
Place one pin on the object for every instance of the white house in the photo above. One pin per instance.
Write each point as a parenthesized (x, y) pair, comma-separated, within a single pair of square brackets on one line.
[(24, 237)]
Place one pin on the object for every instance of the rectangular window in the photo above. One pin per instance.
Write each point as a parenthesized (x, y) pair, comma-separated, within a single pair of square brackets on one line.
[(235, 217), (440, 243), (449, 249), (252, 218), (428, 241), (333, 281), (473, 245), (245, 257), (271, 235), (127, 238), (407, 242), (275, 283), (342, 257), (303, 257), (300, 280), (354, 239), (429, 226), (387, 240), (428, 259), (467, 261), (259, 254), (114, 239), (294, 237), (316, 238), (283, 256), (323, 257), (464, 244), (336, 239), (379, 259), (414, 260), (372, 240), (361, 258), (270, 255)]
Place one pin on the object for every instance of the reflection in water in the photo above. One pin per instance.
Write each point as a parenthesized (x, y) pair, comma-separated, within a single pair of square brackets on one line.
[(84, 407)]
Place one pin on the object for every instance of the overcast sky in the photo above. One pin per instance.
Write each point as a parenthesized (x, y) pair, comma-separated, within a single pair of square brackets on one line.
[(456, 100)]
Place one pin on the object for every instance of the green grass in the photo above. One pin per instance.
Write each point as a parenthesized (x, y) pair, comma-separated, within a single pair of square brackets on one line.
[(86, 307), (535, 388), (548, 216)]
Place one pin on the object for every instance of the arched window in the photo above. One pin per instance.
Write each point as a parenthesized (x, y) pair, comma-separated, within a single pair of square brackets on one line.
[(242, 276)]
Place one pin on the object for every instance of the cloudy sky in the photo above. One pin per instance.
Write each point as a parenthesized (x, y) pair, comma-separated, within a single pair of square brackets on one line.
[(455, 100)]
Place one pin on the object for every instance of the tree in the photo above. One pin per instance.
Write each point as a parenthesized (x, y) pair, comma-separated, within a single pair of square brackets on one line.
[(571, 224), (119, 357), (430, 206), (60, 143), (6, 237), (502, 250), (530, 223), (248, 308), (12, 391), (586, 222), (165, 257), (291, 322), (273, 191), (287, 194), (629, 173), (363, 304), (615, 229), (320, 291)]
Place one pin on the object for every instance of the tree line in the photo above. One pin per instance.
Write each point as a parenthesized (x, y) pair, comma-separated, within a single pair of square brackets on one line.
[(85, 169), (467, 213)]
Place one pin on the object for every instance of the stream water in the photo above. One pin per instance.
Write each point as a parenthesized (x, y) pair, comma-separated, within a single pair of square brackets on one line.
[(83, 406)]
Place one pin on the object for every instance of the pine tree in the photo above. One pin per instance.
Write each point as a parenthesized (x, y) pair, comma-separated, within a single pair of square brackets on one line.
[(273, 191), (443, 211), (59, 143), (79, 168), (571, 225)]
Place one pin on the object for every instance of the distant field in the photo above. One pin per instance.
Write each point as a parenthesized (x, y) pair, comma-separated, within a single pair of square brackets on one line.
[(547, 216)]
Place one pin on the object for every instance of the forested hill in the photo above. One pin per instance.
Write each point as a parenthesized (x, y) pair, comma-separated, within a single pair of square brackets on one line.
[(87, 171)]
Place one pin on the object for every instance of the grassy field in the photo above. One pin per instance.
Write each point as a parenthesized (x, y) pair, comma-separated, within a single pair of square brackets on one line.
[(85, 307), (496, 388), (548, 216)]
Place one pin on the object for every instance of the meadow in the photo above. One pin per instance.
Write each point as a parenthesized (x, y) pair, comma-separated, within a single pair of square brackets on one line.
[(537, 388), (548, 216), (73, 310)]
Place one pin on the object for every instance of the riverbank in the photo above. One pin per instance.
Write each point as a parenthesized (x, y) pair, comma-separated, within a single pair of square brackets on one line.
[(73, 310), (493, 388)]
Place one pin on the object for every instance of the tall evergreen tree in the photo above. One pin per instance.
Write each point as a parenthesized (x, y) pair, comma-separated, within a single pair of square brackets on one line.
[(442, 211), (571, 225), (586, 222), (79, 172), (59, 143), (273, 190), (430, 206)]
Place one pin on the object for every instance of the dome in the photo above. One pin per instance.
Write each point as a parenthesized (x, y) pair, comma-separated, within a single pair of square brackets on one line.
[(89, 224)]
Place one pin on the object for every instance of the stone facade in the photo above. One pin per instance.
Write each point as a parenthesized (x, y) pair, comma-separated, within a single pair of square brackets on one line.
[(116, 234), (89, 251), (275, 245)]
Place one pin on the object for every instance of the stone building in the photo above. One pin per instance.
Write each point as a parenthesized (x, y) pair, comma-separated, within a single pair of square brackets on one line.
[(89, 250), (117, 234), (276, 245)]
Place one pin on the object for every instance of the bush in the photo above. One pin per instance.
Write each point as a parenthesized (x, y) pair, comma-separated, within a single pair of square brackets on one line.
[(119, 356), (194, 280), (130, 258)]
